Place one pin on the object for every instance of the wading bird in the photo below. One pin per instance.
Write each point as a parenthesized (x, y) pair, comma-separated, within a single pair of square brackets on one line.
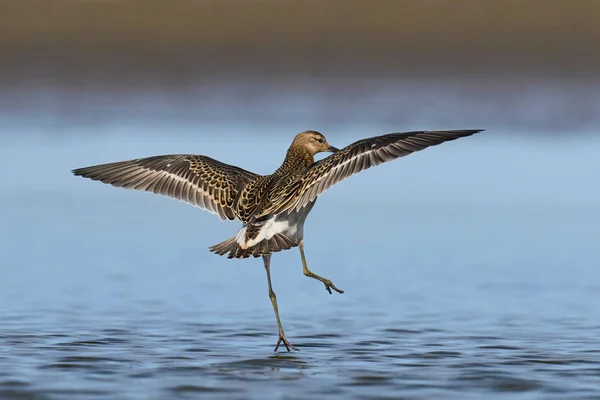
[(272, 208)]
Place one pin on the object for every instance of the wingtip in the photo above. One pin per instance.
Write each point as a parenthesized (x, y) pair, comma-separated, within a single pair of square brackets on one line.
[(471, 131), (460, 132), (456, 133), (468, 132), (78, 171)]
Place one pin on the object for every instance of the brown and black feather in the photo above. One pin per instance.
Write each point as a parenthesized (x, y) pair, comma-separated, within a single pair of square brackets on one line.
[(232, 192)]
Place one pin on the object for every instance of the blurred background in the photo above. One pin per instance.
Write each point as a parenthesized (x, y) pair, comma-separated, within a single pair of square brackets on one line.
[(498, 64), (469, 269)]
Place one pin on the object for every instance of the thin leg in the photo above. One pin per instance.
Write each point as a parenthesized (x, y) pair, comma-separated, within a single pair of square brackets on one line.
[(282, 338), (328, 284)]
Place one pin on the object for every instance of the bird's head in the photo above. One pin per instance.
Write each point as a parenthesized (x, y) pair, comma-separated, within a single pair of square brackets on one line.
[(313, 142)]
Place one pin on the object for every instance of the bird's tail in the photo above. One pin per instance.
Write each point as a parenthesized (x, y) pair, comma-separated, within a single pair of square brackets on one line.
[(278, 242)]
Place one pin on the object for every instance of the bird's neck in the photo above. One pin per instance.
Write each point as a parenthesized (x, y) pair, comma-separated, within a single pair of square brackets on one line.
[(296, 159)]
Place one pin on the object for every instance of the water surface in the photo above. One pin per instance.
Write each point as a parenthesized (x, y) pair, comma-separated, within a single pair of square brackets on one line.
[(470, 271)]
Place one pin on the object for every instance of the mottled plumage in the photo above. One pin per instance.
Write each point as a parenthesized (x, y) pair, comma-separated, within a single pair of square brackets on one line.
[(197, 180), (272, 208)]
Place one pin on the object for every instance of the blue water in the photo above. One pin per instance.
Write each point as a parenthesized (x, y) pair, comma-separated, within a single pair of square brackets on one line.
[(470, 270)]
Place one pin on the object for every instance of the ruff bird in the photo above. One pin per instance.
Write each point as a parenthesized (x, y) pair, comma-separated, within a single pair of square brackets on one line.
[(272, 208)]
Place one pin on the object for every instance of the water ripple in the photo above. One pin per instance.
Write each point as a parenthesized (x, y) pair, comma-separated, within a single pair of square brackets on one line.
[(220, 362)]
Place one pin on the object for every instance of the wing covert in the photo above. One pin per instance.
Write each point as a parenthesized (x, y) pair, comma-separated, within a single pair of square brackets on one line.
[(197, 180), (364, 154)]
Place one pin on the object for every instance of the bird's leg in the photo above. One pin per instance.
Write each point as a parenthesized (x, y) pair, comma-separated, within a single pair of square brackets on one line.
[(282, 338), (328, 284)]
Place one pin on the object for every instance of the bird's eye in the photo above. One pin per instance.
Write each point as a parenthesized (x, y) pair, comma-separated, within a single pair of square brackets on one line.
[(320, 140)]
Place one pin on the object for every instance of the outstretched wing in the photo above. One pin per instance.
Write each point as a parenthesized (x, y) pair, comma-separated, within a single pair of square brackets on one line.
[(364, 154), (197, 180)]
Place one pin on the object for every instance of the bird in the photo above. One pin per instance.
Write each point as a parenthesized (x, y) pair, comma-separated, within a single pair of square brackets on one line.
[(271, 208)]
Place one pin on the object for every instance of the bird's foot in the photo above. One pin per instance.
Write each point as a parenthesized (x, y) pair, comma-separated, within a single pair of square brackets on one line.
[(288, 345), (329, 285)]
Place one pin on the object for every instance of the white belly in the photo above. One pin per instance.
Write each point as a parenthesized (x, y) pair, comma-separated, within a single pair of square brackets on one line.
[(268, 230), (292, 225)]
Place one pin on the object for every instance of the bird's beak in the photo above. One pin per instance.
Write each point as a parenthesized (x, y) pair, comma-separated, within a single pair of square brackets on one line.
[(332, 149)]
